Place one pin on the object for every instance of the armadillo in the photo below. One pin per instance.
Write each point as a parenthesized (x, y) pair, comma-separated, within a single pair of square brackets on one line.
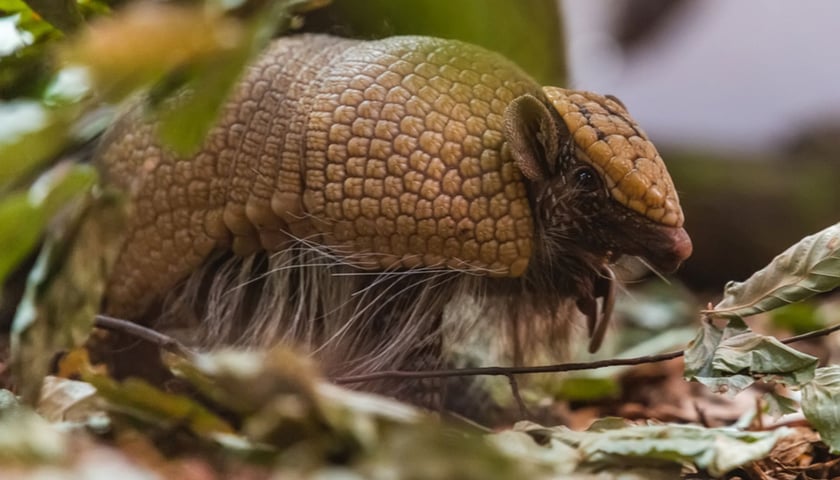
[(361, 198)]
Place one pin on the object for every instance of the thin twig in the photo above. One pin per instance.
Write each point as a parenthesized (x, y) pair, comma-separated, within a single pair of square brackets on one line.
[(556, 368), (164, 342), (506, 371), (514, 388), (814, 334)]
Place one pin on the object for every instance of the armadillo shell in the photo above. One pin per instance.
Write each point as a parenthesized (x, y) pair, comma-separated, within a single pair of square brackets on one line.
[(389, 152)]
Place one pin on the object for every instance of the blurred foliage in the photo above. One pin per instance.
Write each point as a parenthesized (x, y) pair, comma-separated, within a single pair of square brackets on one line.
[(64, 289), (267, 413), (25, 437), (799, 318), (33, 209), (25, 69), (604, 383), (659, 451), (528, 32)]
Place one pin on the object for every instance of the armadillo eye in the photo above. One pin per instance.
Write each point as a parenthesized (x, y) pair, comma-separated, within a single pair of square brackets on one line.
[(586, 179)]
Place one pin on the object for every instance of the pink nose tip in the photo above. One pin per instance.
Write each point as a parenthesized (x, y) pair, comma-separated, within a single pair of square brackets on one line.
[(682, 246), (665, 247), (678, 249)]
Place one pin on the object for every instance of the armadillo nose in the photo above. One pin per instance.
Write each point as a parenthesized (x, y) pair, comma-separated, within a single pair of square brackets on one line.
[(665, 247), (682, 244), (679, 250)]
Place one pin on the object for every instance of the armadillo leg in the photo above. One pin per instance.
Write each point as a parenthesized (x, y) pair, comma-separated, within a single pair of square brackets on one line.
[(174, 228), (154, 259), (176, 218)]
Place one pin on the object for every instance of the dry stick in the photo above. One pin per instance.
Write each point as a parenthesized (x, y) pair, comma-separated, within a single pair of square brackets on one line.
[(810, 335), (164, 342), (556, 368), (514, 388), (506, 371)]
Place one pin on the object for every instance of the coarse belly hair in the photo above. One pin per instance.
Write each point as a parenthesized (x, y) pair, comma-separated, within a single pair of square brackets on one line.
[(354, 320)]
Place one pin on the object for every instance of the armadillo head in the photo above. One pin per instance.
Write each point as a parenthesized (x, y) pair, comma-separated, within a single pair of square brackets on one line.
[(598, 188)]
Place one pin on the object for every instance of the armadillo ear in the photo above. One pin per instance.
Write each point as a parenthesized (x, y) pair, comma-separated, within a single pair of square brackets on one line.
[(534, 133)]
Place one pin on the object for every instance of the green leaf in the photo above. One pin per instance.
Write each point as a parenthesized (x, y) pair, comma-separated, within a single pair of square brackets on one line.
[(761, 356), (64, 15), (185, 122), (700, 352), (22, 225), (142, 401), (25, 215), (820, 405), (60, 186), (778, 405), (13, 6), (731, 359), (31, 135), (32, 22), (811, 266), (616, 446)]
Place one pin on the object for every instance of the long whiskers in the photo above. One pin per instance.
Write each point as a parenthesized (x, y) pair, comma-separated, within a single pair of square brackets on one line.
[(653, 269)]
